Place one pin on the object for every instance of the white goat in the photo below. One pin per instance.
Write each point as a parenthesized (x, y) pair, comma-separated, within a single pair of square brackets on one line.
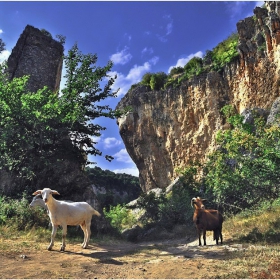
[(67, 213), (38, 201)]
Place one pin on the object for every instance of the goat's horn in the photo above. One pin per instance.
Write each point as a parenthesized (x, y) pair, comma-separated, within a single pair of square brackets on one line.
[(193, 199)]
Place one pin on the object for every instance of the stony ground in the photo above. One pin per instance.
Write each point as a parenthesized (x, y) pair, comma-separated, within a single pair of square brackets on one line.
[(174, 259)]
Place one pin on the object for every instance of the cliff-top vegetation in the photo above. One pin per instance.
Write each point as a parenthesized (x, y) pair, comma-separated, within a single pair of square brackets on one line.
[(213, 60)]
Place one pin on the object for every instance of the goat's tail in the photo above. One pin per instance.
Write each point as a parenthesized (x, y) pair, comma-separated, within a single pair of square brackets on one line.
[(96, 213)]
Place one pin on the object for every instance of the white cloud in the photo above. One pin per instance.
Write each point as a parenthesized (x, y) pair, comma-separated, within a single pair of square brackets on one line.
[(128, 37), (147, 51), (154, 60), (162, 38), (168, 29), (111, 142), (169, 26), (136, 73), (121, 57), (134, 76), (259, 3), (4, 55), (183, 61), (1, 31), (131, 171), (235, 8), (122, 156)]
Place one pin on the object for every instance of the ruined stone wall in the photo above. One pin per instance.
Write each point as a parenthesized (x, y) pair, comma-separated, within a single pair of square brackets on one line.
[(168, 129), (38, 55)]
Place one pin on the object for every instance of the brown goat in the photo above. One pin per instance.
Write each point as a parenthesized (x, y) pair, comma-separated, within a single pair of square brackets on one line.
[(207, 220)]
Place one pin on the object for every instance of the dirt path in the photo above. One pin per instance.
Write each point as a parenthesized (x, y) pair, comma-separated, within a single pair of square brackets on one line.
[(168, 259)]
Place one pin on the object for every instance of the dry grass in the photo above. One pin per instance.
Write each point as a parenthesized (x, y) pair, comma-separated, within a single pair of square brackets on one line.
[(257, 253)]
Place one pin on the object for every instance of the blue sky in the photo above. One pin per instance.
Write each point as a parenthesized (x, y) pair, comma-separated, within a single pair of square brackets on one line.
[(139, 37)]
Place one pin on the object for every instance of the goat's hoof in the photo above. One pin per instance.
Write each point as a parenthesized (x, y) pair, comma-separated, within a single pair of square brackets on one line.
[(62, 248), (49, 248)]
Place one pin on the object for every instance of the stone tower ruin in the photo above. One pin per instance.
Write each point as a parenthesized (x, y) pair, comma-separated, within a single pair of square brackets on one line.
[(38, 55)]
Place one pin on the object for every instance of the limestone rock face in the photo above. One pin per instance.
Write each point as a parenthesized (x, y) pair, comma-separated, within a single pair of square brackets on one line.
[(168, 129)]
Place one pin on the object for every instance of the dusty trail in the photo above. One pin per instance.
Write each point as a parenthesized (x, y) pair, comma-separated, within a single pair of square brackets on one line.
[(165, 259)]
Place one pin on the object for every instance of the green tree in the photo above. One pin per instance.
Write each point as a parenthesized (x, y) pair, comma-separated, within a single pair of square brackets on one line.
[(45, 135), (82, 99), (2, 45), (245, 170)]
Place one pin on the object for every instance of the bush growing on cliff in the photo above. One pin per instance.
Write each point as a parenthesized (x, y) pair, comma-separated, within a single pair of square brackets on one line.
[(193, 68), (216, 59), (225, 52), (146, 79), (154, 81), (46, 32)]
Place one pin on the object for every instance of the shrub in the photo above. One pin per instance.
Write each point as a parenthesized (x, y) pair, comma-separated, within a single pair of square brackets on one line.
[(17, 213), (151, 204), (120, 217), (46, 32), (154, 81), (193, 67), (245, 170), (177, 209), (176, 71), (158, 80), (225, 52), (146, 79)]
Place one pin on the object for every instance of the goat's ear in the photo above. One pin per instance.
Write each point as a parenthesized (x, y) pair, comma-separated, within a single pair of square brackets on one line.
[(192, 201), (55, 192), (37, 192)]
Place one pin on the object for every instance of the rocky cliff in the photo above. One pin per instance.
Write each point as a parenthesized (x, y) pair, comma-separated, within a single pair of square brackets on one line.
[(38, 55), (168, 129)]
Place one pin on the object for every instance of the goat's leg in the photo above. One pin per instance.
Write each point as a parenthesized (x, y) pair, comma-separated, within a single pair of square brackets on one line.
[(83, 227), (199, 237), (216, 235), (88, 235), (64, 232), (204, 237), (221, 236), (54, 229)]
